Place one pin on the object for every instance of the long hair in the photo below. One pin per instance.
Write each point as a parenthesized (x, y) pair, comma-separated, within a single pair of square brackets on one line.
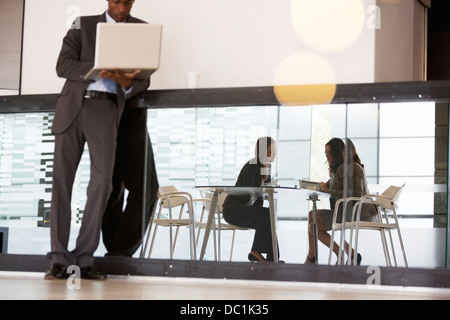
[(337, 148), (352, 155)]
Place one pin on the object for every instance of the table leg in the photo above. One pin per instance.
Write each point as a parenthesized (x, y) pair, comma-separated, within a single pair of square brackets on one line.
[(192, 232), (273, 227), (314, 199), (209, 222), (144, 200)]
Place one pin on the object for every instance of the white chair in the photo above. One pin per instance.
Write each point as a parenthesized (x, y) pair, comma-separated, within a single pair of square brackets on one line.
[(219, 224), (385, 203), (340, 226), (170, 198)]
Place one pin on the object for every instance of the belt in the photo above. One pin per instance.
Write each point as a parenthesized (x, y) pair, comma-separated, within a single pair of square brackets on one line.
[(88, 94)]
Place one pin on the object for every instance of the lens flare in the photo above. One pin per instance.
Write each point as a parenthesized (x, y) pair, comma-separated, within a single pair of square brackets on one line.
[(328, 25), (304, 79)]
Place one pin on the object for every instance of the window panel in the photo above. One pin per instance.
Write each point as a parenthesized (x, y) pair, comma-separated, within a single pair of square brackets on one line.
[(407, 119), (407, 157), (295, 123), (210, 146), (293, 159), (367, 150), (362, 120)]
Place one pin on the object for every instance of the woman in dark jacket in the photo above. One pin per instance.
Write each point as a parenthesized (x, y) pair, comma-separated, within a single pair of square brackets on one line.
[(248, 211)]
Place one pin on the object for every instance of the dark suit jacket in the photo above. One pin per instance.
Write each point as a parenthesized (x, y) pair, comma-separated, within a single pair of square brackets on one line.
[(75, 60), (250, 176)]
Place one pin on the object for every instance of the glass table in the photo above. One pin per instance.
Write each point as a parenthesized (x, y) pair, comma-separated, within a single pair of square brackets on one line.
[(269, 193)]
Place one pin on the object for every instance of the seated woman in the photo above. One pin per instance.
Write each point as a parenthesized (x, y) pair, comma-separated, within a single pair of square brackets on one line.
[(248, 211), (350, 176)]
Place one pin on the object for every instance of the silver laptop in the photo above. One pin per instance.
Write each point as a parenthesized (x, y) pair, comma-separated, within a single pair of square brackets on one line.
[(310, 185), (128, 47)]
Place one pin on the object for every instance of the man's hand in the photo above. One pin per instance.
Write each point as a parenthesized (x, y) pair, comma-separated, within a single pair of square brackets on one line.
[(125, 79)]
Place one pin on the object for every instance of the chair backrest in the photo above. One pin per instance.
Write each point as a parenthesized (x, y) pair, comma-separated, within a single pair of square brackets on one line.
[(393, 195), (172, 201), (165, 189)]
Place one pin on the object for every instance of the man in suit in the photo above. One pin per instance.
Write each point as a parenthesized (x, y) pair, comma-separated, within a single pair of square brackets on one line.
[(86, 112)]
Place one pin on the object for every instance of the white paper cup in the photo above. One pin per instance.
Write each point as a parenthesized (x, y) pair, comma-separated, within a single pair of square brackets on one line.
[(192, 79)]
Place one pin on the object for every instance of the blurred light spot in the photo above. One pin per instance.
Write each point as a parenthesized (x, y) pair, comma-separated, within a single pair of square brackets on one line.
[(328, 25), (304, 79)]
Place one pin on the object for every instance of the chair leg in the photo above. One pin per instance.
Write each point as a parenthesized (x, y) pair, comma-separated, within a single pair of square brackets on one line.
[(153, 241), (350, 244), (352, 261), (144, 245), (400, 239), (198, 228), (340, 257), (192, 242), (198, 237), (391, 240), (387, 256), (350, 241), (178, 229), (232, 245), (402, 247), (331, 245), (176, 238), (191, 227), (392, 248), (341, 245), (219, 242), (214, 240), (356, 213), (171, 242)]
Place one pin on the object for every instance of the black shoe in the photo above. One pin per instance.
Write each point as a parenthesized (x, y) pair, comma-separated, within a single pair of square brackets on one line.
[(56, 271), (254, 258), (358, 260), (89, 274)]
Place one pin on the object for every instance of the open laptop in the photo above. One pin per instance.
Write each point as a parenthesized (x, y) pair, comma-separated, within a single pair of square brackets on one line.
[(128, 47), (310, 185)]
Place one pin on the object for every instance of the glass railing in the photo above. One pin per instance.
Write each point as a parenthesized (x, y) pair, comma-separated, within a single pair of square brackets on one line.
[(203, 137)]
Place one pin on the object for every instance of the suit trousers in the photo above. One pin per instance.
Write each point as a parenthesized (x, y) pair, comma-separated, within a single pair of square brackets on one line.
[(253, 217), (96, 124), (123, 228)]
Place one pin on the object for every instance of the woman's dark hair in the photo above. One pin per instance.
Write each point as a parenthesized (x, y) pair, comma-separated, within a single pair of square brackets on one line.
[(337, 147), (351, 152)]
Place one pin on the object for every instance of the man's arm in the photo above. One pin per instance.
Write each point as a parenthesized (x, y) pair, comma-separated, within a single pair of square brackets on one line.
[(69, 65)]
